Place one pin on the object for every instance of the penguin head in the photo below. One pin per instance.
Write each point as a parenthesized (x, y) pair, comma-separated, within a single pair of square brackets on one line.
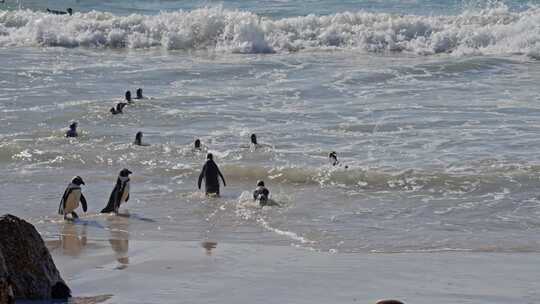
[(197, 143), (70, 11), (125, 172), (254, 139), (260, 183), (139, 93), (73, 125), (128, 95), (138, 136), (209, 156), (77, 180)]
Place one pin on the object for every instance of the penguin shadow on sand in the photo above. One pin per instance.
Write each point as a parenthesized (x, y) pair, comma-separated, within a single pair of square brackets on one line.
[(118, 227), (72, 240)]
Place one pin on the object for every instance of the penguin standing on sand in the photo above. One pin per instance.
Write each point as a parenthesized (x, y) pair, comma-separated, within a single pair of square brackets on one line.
[(70, 199), (120, 193)]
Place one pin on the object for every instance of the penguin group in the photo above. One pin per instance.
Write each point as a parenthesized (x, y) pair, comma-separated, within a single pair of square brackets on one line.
[(128, 100), (73, 195), (210, 173)]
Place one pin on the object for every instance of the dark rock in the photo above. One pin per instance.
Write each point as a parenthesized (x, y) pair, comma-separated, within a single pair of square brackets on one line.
[(29, 265), (6, 292)]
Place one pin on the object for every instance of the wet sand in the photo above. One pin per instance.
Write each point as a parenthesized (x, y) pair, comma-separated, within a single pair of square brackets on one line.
[(210, 272)]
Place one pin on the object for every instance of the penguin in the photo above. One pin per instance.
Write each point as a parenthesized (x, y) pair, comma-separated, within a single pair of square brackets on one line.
[(72, 132), (139, 94), (254, 140), (68, 11), (332, 157), (261, 193), (70, 199), (138, 140), (210, 173), (119, 107), (128, 96), (120, 193)]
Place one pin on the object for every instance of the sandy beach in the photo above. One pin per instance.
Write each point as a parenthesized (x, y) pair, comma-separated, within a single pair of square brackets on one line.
[(187, 272)]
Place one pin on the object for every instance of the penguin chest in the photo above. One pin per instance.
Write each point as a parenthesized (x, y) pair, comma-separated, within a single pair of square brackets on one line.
[(72, 201), (125, 194)]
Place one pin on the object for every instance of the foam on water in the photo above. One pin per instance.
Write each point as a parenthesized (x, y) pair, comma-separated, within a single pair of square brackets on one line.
[(492, 30)]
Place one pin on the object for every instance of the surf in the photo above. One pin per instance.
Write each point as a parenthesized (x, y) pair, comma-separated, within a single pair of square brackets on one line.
[(494, 30)]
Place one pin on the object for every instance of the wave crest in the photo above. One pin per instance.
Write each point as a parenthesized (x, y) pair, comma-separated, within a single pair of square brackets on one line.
[(495, 30)]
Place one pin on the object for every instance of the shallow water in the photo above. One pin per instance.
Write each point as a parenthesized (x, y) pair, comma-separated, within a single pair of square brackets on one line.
[(433, 106)]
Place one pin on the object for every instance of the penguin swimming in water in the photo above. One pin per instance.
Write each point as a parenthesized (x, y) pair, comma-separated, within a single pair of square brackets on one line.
[(261, 193), (119, 107), (72, 132), (332, 157), (56, 12), (139, 94), (128, 96), (120, 193), (254, 140), (70, 199), (210, 173), (138, 139)]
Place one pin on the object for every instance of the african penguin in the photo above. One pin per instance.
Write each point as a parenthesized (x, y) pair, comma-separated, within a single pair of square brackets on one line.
[(120, 193), (70, 199)]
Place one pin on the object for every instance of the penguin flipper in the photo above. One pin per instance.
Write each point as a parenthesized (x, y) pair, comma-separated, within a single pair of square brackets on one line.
[(83, 203), (127, 198)]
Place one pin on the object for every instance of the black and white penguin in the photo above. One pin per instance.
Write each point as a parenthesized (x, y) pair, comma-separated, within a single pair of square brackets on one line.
[(70, 199), (332, 157), (261, 193), (120, 193)]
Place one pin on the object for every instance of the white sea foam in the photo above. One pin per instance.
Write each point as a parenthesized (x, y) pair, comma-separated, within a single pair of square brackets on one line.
[(494, 30)]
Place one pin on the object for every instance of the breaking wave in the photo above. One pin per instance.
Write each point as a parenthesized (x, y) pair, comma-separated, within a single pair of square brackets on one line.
[(493, 30)]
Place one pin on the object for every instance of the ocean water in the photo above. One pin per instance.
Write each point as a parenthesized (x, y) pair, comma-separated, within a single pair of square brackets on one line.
[(433, 106)]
